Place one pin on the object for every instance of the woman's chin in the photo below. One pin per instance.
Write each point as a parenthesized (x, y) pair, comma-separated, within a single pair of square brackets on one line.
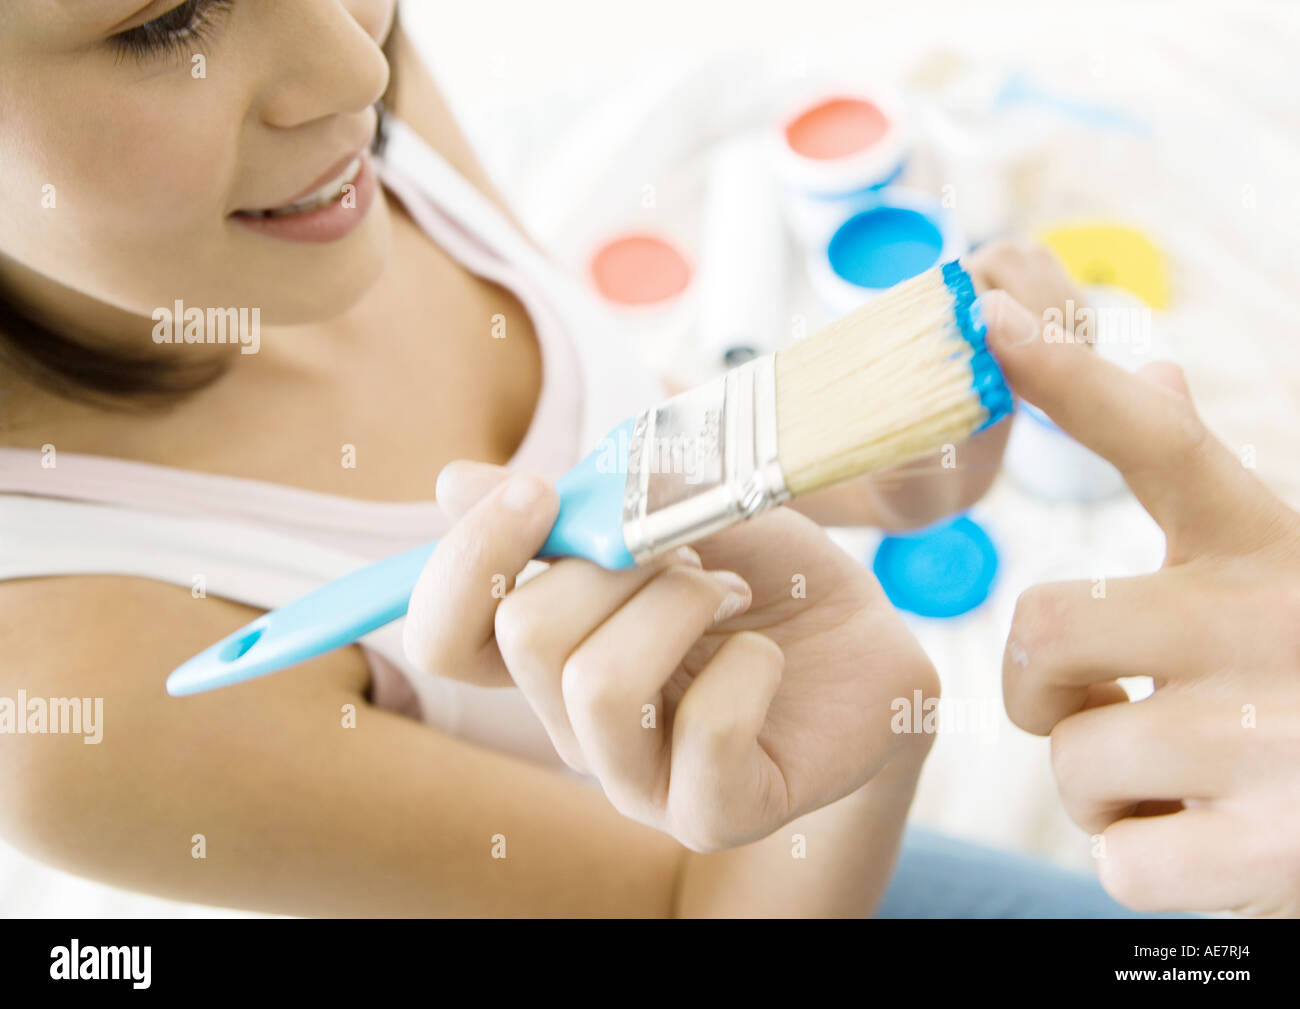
[(314, 283)]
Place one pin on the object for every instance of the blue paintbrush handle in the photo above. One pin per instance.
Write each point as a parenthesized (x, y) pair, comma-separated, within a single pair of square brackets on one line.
[(589, 525)]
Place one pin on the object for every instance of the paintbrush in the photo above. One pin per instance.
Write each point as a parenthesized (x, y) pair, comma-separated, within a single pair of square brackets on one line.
[(901, 377)]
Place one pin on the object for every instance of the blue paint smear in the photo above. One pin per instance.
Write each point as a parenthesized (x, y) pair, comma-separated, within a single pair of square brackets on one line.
[(884, 246)]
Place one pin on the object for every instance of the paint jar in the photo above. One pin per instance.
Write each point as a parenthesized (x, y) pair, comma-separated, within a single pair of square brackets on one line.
[(832, 153), (900, 234), (645, 280)]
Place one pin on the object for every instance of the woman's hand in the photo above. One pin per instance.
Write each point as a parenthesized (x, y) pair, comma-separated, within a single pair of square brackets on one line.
[(1195, 791), (714, 696)]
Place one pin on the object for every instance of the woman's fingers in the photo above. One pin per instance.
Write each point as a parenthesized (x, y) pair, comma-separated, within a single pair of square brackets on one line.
[(543, 621), (449, 625), (463, 484), (612, 682), (718, 766)]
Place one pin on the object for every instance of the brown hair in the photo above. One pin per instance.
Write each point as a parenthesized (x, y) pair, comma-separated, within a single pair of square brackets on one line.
[(75, 370)]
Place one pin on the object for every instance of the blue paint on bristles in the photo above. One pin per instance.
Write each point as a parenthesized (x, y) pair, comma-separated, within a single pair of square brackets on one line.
[(986, 376)]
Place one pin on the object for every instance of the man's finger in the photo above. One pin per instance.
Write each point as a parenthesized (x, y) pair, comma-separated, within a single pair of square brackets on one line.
[(1168, 375), (1189, 482), (1068, 636), (1112, 760), (1198, 860)]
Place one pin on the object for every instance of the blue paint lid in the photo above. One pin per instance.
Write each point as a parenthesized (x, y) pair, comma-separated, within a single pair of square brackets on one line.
[(943, 571), (885, 245)]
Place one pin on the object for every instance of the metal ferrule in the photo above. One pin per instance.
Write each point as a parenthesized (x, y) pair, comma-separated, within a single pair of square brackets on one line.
[(703, 461)]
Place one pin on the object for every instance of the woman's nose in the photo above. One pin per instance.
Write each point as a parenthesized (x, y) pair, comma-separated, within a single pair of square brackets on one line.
[(336, 67)]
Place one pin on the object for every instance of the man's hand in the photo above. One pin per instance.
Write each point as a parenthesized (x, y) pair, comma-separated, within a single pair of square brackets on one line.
[(1196, 789)]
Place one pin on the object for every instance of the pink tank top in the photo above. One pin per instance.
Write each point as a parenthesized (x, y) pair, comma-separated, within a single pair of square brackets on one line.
[(264, 544)]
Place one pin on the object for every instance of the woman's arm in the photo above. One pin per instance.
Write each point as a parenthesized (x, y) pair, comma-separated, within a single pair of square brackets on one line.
[(300, 815), (835, 862)]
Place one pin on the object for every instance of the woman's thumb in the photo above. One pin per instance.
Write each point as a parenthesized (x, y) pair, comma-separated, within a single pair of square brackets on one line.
[(463, 484)]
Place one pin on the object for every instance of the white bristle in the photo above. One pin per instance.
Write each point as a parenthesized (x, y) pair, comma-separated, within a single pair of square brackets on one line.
[(883, 385)]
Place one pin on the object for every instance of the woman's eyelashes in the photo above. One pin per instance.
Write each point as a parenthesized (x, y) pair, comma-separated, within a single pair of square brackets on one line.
[(183, 30)]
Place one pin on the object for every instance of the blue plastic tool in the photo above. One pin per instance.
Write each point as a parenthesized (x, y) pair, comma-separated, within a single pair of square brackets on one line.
[(589, 525)]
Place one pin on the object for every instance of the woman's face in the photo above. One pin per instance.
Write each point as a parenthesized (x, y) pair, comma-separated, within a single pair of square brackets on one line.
[(143, 143)]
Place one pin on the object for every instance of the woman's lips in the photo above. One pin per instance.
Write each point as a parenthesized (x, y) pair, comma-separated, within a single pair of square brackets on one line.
[(335, 219), (341, 167)]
